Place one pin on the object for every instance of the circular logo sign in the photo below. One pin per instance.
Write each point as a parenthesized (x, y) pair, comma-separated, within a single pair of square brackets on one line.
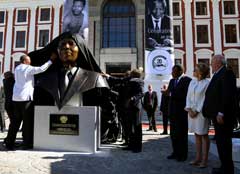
[(160, 61)]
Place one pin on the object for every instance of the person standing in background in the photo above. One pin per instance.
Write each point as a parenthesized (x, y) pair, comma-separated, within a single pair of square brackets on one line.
[(220, 105), (8, 83), (196, 122), (150, 103), (164, 110)]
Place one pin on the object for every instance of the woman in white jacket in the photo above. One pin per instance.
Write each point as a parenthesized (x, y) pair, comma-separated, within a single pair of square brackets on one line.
[(196, 122)]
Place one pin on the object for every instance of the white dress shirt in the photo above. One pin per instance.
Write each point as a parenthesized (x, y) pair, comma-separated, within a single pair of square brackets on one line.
[(24, 80)]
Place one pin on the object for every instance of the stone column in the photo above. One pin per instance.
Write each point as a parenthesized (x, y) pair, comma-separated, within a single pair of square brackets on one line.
[(216, 28), (8, 42), (32, 32), (189, 37)]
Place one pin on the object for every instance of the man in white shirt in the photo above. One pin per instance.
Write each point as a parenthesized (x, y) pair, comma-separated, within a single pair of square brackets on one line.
[(23, 101)]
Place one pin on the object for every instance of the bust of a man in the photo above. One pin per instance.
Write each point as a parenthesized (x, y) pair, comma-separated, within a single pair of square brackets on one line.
[(74, 72)]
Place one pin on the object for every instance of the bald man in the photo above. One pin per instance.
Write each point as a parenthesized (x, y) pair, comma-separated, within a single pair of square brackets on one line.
[(220, 106)]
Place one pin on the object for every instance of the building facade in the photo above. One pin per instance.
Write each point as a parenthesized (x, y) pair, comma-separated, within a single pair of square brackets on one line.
[(201, 29)]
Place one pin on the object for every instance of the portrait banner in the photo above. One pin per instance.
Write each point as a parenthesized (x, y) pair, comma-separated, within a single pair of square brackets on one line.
[(75, 17), (158, 37)]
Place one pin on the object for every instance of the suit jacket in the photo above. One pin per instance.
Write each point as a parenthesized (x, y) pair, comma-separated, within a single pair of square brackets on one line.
[(82, 81), (153, 102), (160, 35), (178, 96), (164, 104), (221, 96)]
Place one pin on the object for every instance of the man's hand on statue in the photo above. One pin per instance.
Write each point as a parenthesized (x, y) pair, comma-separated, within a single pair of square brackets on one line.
[(53, 57), (105, 75)]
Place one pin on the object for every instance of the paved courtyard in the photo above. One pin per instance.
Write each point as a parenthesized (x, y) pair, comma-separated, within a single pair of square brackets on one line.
[(109, 159)]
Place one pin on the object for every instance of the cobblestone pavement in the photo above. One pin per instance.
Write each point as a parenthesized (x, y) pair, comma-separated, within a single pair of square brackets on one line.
[(110, 159)]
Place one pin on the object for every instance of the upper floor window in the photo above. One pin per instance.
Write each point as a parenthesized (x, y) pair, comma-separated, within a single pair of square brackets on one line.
[(202, 34), (177, 34), (22, 16), (44, 14), (1, 40), (2, 17), (20, 41), (231, 33), (234, 65), (176, 8), (119, 24), (178, 61), (43, 38), (229, 7), (201, 8)]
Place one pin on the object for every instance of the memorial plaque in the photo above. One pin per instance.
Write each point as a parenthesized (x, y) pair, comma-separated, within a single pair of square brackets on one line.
[(64, 124)]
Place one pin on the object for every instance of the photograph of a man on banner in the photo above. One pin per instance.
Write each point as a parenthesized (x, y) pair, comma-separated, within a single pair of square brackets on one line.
[(75, 17), (158, 28), (159, 41)]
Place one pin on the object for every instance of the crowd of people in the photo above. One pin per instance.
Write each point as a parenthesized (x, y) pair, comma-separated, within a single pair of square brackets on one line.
[(188, 104)]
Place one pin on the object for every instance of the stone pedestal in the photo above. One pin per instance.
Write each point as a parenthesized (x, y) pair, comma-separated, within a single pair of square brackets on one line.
[(68, 129)]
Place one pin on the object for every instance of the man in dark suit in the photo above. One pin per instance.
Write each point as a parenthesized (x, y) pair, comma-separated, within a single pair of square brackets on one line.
[(220, 106), (177, 89), (164, 109), (150, 103), (158, 24)]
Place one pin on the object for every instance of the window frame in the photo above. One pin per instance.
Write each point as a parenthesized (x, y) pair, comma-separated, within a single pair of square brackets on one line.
[(4, 23), (230, 22), (43, 27), (195, 11), (108, 16), (237, 75), (39, 14), (20, 28), (16, 17), (2, 29), (202, 22), (230, 15), (178, 23), (180, 7)]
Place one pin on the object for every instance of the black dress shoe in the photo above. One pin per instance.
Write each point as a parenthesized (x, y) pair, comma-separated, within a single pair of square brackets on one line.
[(8, 147), (172, 156), (217, 171), (25, 147), (181, 159), (163, 133)]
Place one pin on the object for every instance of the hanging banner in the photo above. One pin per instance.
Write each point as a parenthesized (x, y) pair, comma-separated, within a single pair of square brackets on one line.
[(75, 17), (159, 56)]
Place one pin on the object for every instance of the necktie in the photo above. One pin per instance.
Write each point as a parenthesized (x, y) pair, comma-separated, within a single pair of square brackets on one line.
[(69, 74), (175, 83), (156, 25)]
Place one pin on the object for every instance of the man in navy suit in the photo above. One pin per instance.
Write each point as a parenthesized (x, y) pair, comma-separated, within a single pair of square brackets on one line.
[(177, 90), (158, 24), (220, 105)]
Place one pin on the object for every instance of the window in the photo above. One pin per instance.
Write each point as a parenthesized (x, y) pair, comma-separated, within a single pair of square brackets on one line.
[(22, 16), (177, 34), (1, 40), (119, 24), (231, 33), (43, 38), (20, 39), (229, 7), (178, 61), (206, 61), (117, 69), (176, 8), (45, 15), (202, 34), (201, 8), (233, 64), (2, 17)]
